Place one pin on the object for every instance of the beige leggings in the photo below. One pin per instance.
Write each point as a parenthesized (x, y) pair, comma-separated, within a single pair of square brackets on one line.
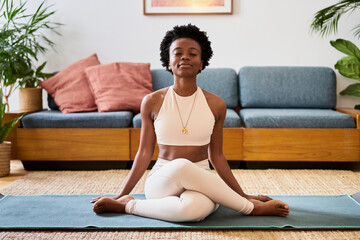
[(182, 191)]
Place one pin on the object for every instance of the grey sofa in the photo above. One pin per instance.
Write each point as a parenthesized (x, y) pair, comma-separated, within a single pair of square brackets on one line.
[(262, 98)]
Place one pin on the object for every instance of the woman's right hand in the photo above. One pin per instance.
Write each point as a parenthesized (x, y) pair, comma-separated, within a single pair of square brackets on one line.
[(94, 200)]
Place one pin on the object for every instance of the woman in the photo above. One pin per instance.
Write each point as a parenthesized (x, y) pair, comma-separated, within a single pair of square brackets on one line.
[(187, 123)]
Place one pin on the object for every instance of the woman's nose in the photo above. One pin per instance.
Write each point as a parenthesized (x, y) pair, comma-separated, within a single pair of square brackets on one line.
[(185, 56)]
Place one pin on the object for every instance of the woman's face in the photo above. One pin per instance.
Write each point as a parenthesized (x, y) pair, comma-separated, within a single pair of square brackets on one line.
[(185, 57)]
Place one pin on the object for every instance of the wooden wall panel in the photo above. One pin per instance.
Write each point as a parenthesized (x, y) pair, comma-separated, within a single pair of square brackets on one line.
[(73, 144), (340, 145)]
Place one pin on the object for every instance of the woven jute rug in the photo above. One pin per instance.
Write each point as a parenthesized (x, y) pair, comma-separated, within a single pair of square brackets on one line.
[(272, 181)]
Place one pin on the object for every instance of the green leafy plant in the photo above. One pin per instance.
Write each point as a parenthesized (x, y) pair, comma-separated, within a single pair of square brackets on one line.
[(22, 38), (326, 22), (349, 66), (6, 128)]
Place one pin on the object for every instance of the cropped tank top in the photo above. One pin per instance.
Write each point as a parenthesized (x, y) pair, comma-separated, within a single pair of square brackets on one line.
[(168, 125)]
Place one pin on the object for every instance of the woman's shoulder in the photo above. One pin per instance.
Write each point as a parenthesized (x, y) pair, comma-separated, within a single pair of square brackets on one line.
[(216, 104), (212, 98), (156, 95), (153, 100)]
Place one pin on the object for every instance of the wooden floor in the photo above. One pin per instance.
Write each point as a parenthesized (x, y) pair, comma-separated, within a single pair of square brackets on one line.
[(16, 171)]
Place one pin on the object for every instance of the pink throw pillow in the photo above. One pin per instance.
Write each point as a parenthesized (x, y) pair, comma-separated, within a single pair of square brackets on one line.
[(70, 88), (120, 85)]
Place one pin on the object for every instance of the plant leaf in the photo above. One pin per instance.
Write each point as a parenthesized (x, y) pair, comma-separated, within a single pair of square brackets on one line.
[(2, 106), (6, 128), (40, 68), (352, 90), (349, 67), (346, 47)]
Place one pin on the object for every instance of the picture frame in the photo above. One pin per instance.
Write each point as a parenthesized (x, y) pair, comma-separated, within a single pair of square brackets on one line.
[(187, 7)]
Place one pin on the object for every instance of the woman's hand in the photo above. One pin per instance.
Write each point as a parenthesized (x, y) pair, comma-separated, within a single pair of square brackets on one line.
[(94, 200), (259, 197)]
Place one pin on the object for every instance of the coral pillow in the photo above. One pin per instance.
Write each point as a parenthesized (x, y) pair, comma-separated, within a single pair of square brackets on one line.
[(70, 88), (120, 85)]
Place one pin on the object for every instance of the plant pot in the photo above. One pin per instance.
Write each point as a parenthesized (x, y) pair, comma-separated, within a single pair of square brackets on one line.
[(5, 155), (30, 99)]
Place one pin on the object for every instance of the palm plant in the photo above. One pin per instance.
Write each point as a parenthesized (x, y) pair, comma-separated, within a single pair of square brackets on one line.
[(21, 40), (326, 22)]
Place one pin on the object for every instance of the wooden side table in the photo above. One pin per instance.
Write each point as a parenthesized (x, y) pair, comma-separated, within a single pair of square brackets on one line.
[(12, 135)]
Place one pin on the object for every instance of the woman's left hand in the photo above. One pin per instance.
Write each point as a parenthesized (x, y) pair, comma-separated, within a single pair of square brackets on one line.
[(259, 197), (94, 200)]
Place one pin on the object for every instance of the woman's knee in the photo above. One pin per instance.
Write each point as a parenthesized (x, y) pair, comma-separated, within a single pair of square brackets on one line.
[(196, 208)]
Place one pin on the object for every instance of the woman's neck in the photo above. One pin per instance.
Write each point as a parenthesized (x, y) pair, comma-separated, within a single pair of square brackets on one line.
[(185, 87)]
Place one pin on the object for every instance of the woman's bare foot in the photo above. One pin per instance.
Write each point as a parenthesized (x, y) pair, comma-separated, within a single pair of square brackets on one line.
[(106, 204), (270, 208)]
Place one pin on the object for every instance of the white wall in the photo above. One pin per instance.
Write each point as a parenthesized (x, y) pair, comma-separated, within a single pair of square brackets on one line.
[(259, 32)]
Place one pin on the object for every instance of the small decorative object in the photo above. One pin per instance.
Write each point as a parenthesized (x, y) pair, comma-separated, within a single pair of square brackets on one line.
[(5, 147), (186, 7)]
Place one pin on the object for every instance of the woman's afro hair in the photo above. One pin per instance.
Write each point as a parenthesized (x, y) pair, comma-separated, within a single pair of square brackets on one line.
[(185, 31)]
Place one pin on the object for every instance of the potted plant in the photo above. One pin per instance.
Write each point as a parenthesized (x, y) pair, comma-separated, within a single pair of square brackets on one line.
[(21, 40), (5, 146), (326, 21), (349, 66)]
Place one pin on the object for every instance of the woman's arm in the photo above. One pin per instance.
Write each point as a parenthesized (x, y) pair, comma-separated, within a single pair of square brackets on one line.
[(146, 148), (217, 157)]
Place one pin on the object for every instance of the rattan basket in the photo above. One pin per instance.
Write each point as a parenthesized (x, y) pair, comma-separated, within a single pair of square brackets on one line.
[(30, 99), (5, 155)]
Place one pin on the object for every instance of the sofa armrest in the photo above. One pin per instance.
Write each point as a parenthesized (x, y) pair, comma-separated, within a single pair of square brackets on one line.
[(352, 112)]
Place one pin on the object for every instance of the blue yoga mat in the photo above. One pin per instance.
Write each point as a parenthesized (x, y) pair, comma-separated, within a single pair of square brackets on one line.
[(75, 212)]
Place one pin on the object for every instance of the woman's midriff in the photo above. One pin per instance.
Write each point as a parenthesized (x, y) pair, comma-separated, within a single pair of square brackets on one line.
[(192, 153)]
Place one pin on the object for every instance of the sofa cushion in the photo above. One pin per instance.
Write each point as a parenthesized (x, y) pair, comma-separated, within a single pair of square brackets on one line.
[(119, 85), (221, 81), (137, 121), (70, 88), (56, 119), (232, 119), (287, 87), (295, 118), (51, 103)]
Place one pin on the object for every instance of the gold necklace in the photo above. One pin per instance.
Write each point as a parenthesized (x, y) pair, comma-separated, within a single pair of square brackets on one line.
[(184, 129)]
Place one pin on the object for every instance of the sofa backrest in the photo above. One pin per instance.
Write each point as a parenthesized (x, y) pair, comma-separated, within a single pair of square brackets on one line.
[(221, 81), (287, 87)]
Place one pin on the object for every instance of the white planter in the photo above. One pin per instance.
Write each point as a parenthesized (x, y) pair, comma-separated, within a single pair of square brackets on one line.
[(5, 155)]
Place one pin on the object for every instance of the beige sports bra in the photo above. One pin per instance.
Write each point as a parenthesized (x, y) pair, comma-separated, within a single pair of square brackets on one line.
[(168, 124)]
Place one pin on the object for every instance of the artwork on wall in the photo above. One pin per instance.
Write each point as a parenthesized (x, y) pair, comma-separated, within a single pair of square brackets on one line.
[(185, 7)]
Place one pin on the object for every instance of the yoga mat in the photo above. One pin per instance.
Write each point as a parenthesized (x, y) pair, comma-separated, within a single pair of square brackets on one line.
[(75, 212)]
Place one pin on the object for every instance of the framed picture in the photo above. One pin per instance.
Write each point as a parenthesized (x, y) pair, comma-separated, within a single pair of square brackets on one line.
[(187, 7)]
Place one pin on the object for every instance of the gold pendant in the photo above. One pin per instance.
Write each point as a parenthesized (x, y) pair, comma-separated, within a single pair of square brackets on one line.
[(184, 130)]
